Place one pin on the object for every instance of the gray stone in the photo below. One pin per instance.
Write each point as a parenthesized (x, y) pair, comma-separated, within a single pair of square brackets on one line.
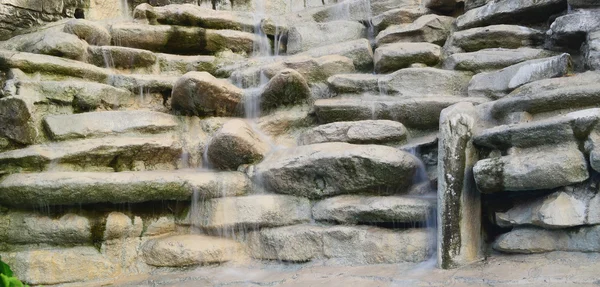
[(536, 240), (236, 41), (352, 209), (141, 84), (186, 250), (250, 212), (120, 57), (403, 15), (492, 59), (459, 204), (200, 93), (497, 84), (108, 153), (592, 51), (571, 29), (286, 88), (392, 57), (359, 132), (34, 228), (334, 168), (363, 245), (592, 146), (66, 188), (91, 32), (353, 83), (442, 5), (472, 4), (312, 69), (95, 124), (359, 51), (509, 12), (532, 169), (16, 115), (584, 3), (494, 36), (428, 28), (416, 113), (309, 35), (424, 82), (183, 64), (235, 144), (53, 43)]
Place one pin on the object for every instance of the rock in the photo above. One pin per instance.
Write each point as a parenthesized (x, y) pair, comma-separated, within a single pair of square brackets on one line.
[(185, 250), (536, 240), (144, 83), (353, 83), (53, 43), (424, 82), (532, 169), (583, 3), (66, 188), (497, 84), (159, 226), (592, 146), (509, 12), (359, 51), (312, 69), (495, 36), (361, 245), (95, 124), (358, 132), (492, 59), (119, 225), (413, 113), (91, 32), (59, 265), (441, 5), (472, 4), (56, 66), (402, 15), (333, 168), (309, 35), (392, 57), (571, 29), (286, 88), (194, 15), (250, 212), (460, 239), (235, 144), (183, 64), (120, 57), (34, 228), (428, 28), (16, 114), (592, 51), (200, 93), (352, 209), (236, 41), (110, 153), (557, 210)]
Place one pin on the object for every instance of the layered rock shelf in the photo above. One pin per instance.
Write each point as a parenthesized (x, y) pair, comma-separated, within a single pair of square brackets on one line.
[(158, 137)]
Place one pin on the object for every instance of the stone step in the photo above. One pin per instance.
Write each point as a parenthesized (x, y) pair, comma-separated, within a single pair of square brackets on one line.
[(188, 250), (359, 51), (537, 168), (352, 209), (542, 132), (392, 57), (120, 57), (359, 132), (354, 83), (492, 59), (424, 82), (428, 28), (68, 188), (249, 212), (181, 64), (307, 35), (418, 113), (570, 30), (34, 228), (537, 240), (181, 39), (495, 36), (509, 12), (397, 16), (327, 169), (363, 245), (95, 124), (143, 83), (109, 153)]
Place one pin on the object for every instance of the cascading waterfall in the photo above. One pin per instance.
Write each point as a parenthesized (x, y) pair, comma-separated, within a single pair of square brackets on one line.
[(125, 9)]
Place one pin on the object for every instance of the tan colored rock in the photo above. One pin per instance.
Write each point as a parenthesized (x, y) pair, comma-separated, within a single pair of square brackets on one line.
[(360, 132), (307, 35), (34, 228), (286, 88), (509, 11), (119, 225), (353, 83), (313, 69), (392, 57), (91, 32), (235, 144), (200, 93), (424, 82), (428, 28), (120, 57), (16, 114)]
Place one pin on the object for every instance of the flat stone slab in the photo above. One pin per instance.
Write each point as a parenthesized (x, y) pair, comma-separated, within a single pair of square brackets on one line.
[(347, 243), (402, 15), (354, 83), (395, 56), (352, 209), (249, 212), (186, 250), (22, 227), (359, 51), (428, 28), (494, 36), (492, 59), (152, 151), (570, 30), (120, 57), (58, 188), (537, 240), (182, 64), (141, 84), (94, 124), (326, 169), (359, 132), (307, 35), (424, 82)]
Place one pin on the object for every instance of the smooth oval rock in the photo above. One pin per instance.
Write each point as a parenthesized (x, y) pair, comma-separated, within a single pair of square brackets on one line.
[(286, 88), (200, 93), (236, 143)]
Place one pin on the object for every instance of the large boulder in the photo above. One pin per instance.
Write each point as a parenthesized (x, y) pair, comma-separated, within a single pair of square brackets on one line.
[(392, 57), (286, 88), (571, 29), (186, 250), (200, 93), (487, 60), (424, 82), (495, 36), (428, 28), (359, 132), (309, 35), (235, 144), (333, 168), (91, 32), (497, 84)]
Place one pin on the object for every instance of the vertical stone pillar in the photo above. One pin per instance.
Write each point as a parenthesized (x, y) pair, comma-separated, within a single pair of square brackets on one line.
[(459, 203)]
